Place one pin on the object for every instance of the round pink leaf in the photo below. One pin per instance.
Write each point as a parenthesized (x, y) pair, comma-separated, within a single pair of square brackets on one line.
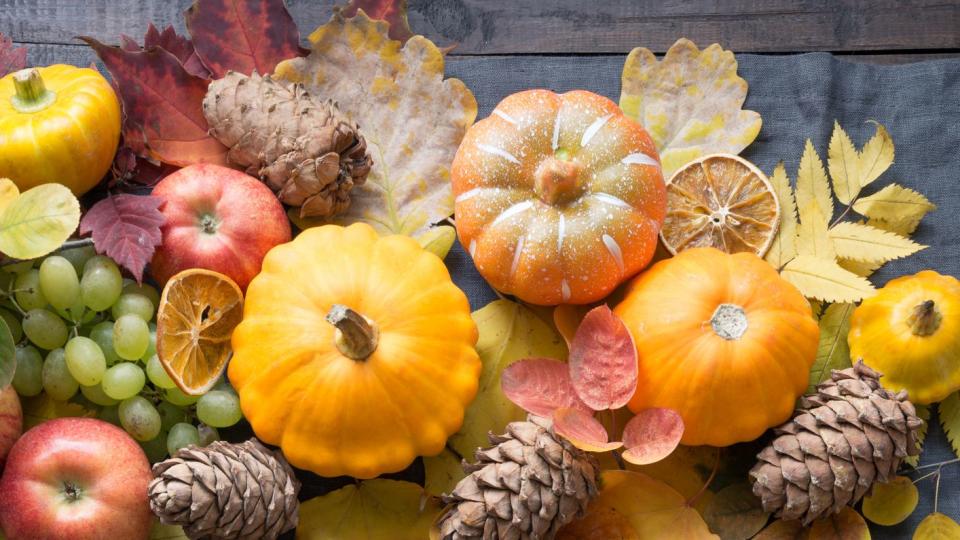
[(540, 386), (603, 361), (652, 435), (582, 430)]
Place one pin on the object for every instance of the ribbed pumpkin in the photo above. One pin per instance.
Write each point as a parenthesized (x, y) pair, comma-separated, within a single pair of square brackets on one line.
[(723, 340), (356, 352), (559, 197), (910, 332)]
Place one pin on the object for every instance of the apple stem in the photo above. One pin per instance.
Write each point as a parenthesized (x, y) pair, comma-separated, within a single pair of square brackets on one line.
[(209, 223)]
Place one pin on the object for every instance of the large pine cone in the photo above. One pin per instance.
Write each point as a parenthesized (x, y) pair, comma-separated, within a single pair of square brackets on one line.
[(851, 434), (226, 491), (526, 487), (304, 149)]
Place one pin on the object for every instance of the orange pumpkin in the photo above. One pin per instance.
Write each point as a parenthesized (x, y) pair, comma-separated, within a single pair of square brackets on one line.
[(559, 197), (723, 340)]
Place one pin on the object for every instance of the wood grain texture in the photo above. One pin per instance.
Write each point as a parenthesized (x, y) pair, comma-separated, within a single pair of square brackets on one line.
[(561, 26)]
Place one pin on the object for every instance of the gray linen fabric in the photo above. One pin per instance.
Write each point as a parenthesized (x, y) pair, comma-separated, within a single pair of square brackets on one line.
[(799, 97)]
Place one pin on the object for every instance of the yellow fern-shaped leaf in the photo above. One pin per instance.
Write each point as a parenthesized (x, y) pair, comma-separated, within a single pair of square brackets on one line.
[(876, 156), (843, 161), (826, 280), (894, 203), (949, 412), (858, 242), (812, 183), (784, 246)]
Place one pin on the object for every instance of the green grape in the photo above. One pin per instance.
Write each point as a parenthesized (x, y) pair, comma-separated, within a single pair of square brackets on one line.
[(58, 383), (152, 346), (44, 329), (182, 435), (85, 360), (13, 323), (170, 414), (110, 414), (95, 394), (156, 448), (133, 304), (59, 282), (219, 409), (132, 287), (157, 375), (98, 261), (77, 313), (207, 435), (6, 279), (28, 377), (177, 397), (78, 257), (131, 337), (28, 295), (100, 285), (223, 384), (140, 418), (123, 380), (102, 333)]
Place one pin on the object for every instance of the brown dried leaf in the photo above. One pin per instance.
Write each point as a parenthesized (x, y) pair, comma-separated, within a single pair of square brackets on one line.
[(11, 58), (394, 12), (735, 513)]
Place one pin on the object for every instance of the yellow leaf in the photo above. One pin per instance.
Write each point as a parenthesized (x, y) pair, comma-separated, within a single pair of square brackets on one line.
[(167, 532), (832, 352), (412, 118), (812, 183), (876, 156), (844, 525), (39, 409), (38, 221), (923, 411), (813, 237), (654, 509), (865, 269), (937, 526), (508, 332), (891, 502), (735, 513), (826, 280), (894, 203), (858, 242), (784, 246), (843, 162), (376, 509), (438, 240), (443, 471), (690, 102), (783, 530), (949, 413), (8, 193)]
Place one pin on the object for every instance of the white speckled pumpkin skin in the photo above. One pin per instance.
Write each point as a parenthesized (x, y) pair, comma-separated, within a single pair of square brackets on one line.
[(559, 197)]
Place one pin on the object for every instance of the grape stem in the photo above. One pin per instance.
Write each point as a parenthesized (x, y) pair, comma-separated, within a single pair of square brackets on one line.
[(69, 244)]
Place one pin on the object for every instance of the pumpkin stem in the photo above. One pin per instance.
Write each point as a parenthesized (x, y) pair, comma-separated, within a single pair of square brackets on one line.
[(925, 319), (31, 94), (729, 321), (557, 179), (356, 336)]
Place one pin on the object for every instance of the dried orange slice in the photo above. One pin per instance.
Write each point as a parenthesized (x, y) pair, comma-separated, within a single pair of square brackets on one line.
[(198, 311), (720, 201)]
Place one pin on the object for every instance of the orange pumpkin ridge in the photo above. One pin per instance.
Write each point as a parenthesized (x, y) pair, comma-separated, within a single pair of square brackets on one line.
[(559, 198)]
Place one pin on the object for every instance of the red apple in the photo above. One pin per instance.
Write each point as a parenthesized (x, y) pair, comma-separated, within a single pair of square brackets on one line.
[(219, 219), (11, 421), (76, 478)]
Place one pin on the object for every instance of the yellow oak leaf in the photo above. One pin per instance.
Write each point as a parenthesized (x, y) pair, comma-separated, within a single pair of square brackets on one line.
[(39, 221), (826, 280), (891, 502), (812, 183), (690, 102), (876, 156), (412, 118), (784, 245), (894, 203), (813, 237), (858, 242), (843, 160), (937, 526), (832, 351)]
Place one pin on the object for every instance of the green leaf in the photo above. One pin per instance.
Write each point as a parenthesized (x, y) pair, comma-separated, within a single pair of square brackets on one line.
[(923, 411), (833, 351), (949, 412), (784, 246), (858, 242), (38, 222), (844, 164), (443, 471), (8, 361), (167, 532), (735, 513)]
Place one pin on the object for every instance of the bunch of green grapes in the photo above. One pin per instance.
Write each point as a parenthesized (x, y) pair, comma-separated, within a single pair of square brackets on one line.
[(87, 334)]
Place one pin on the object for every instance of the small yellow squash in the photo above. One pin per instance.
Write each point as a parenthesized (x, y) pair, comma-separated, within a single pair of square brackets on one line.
[(910, 332), (356, 352)]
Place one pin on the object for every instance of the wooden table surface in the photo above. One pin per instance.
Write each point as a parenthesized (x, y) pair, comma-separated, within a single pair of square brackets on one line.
[(881, 31)]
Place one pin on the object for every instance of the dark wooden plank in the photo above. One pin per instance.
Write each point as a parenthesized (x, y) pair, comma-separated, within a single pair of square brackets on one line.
[(562, 26)]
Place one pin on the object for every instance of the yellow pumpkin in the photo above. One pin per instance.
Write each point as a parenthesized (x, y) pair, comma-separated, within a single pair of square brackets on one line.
[(58, 124), (356, 352), (723, 340), (910, 332)]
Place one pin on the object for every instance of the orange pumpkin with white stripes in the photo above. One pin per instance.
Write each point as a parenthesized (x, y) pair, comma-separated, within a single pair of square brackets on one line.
[(559, 197)]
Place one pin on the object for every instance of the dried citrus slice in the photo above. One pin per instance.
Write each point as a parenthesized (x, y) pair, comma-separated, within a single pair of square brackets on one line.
[(720, 201), (198, 311)]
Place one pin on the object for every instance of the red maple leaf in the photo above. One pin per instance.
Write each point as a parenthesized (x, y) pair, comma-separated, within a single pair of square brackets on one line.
[(392, 11), (125, 228), (11, 58)]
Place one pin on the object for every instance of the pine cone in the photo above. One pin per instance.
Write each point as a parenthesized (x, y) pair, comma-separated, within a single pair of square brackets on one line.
[(851, 434), (304, 149), (226, 490), (527, 486)]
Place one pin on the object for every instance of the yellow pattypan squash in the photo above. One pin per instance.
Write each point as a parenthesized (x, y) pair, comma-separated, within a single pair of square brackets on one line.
[(58, 124), (910, 332), (356, 352)]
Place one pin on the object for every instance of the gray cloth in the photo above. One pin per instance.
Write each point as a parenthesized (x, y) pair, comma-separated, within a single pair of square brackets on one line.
[(799, 97)]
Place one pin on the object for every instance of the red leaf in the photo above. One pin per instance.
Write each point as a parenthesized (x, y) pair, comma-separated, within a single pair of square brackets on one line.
[(540, 386), (392, 11), (11, 58), (130, 168), (125, 228), (162, 104), (243, 35), (582, 430), (652, 435), (603, 361), (178, 46)]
